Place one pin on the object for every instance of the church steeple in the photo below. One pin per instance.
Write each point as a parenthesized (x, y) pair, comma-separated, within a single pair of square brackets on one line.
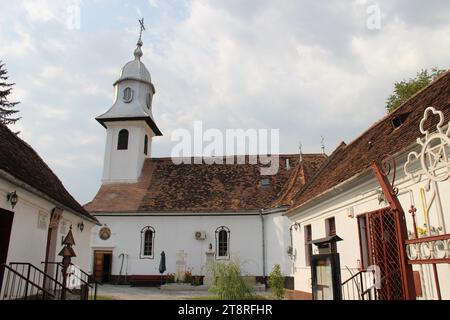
[(129, 122), (134, 92)]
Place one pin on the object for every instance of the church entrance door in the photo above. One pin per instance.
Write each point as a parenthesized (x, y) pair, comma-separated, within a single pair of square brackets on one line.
[(102, 266), (6, 220)]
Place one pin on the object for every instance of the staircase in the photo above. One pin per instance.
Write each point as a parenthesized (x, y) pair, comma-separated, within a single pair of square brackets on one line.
[(359, 287), (24, 281)]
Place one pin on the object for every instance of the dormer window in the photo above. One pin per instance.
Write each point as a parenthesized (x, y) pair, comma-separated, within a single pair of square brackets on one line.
[(265, 183), (127, 95), (398, 120)]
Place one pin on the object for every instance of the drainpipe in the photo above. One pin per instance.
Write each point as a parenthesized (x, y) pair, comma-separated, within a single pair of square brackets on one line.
[(263, 243)]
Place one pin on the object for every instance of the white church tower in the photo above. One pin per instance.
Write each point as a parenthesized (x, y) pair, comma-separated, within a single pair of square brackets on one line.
[(129, 122)]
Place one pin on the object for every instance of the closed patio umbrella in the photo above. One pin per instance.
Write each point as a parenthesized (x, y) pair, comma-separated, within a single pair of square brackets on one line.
[(162, 264)]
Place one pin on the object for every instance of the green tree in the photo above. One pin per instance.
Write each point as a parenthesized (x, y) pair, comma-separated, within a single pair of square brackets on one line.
[(8, 113), (276, 282), (403, 90)]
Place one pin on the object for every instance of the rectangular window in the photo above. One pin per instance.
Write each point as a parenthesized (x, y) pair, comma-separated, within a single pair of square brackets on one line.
[(308, 244), (330, 225)]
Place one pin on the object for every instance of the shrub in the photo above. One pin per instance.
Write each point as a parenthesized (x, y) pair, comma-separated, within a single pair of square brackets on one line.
[(170, 278), (229, 283), (276, 282), (188, 277)]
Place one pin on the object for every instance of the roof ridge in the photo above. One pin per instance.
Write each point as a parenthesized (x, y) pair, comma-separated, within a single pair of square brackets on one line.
[(241, 155)]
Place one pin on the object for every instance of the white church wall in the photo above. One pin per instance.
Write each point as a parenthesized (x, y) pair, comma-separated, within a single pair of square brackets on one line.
[(363, 198), (175, 233), (277, 243), (28, 240)]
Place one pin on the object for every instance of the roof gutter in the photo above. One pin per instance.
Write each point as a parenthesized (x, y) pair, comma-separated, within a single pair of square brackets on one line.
[(27, 187)]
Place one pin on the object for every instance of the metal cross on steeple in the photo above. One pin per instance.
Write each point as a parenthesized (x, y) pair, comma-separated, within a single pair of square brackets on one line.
[(323, 144), (300, 151), (141, 22)]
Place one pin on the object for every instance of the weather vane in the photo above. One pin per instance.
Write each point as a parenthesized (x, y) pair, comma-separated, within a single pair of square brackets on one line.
[(141, 22)]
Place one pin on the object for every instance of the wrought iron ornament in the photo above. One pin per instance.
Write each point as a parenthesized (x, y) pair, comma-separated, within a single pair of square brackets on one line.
[(434, 156)]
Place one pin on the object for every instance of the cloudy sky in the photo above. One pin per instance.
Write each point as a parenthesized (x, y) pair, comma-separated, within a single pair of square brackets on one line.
[(308, 68)]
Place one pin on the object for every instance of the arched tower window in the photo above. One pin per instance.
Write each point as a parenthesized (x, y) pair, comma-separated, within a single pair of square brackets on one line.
[(147, 243), (146, 145), (122, 142), (223, 243)]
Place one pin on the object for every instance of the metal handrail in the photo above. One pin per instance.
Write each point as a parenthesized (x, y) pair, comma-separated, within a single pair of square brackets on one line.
[(88, 277), (28, 281), (353, 277), (360, 292), (39, 270)]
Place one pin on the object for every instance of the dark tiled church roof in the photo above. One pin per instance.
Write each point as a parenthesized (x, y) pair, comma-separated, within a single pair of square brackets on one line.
[(379, 141), (166, 187), (19, 160)]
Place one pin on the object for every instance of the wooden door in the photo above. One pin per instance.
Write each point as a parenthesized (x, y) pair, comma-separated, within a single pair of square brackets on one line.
[(6, 220), (102, 270)]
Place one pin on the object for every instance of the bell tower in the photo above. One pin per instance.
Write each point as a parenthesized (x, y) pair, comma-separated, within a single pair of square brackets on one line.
[(129, 123)]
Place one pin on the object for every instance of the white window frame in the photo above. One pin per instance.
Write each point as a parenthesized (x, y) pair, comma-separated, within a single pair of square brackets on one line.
[(142, 250), (218, 230)]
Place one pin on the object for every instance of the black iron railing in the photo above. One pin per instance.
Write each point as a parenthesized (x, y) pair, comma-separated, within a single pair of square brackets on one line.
[(87, 288), (26, 282), (359, 287)]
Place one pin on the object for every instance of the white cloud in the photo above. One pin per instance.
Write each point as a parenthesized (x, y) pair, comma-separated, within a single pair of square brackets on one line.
[(53, 112), (309, 68)]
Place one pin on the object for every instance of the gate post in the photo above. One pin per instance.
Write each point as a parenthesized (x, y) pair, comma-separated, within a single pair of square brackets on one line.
[(402, 231)]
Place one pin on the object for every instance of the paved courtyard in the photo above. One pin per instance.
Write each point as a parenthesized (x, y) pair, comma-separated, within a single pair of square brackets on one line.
[(126, 292)]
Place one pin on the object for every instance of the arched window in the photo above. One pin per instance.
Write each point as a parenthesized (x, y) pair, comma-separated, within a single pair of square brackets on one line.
[(147, 243), (223, 243), (122, 142), (127, 95), (145, 144)]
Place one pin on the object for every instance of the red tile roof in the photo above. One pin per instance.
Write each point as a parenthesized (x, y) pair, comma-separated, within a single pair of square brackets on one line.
[(18, 159), (379, 141), (166, 187)]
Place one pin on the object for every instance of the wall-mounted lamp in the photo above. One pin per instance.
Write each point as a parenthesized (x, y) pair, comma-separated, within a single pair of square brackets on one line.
[(296, 226), (12, 198), (80, 226)]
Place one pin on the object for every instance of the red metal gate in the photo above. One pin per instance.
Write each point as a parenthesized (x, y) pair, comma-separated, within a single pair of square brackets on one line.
[(384, 251)]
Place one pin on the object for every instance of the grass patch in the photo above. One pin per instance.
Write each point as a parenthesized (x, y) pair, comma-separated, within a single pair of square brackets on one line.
[(103, 298)]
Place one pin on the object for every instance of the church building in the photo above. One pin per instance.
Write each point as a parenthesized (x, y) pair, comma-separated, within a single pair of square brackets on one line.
[(191, 212)]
